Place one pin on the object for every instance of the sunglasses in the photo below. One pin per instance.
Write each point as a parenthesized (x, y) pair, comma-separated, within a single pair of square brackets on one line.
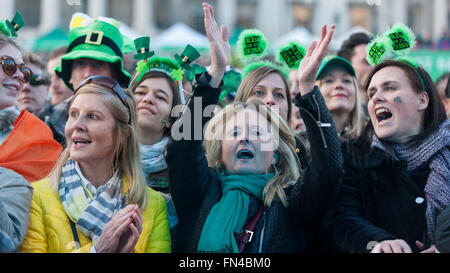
[(10, 67), (37, 79), (109, 83)]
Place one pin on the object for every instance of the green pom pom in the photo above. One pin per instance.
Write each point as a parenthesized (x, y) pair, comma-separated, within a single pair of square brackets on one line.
[(378, 50), (255, 65), (401, 37), (252, 44), (291, 54)]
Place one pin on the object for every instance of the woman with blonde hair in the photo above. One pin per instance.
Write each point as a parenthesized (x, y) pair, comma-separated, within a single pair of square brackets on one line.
[(96, 199), (248, 194), (336, 80)]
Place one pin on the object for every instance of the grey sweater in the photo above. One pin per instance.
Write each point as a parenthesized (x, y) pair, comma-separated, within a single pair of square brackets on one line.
[(15, 202)]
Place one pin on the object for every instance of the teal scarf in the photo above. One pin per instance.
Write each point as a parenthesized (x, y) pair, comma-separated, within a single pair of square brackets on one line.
[(230, 213)]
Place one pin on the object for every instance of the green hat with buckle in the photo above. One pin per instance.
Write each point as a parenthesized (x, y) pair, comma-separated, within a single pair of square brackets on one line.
[(10, 28), (335, 60), (189, 55), (97, 40)]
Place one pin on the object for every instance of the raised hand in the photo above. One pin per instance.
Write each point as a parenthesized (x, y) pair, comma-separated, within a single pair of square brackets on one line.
[(220, 46), (311, 62)]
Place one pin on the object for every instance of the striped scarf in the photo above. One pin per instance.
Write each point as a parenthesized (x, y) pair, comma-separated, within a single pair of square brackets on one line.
[(88, 207), (434, 151)]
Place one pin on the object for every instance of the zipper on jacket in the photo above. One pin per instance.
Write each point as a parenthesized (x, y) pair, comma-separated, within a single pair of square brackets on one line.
[(261, 239), (318, 122)]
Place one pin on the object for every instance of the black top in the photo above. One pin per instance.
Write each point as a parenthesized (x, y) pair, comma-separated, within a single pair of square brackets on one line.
[(379, 200), (196, 187)]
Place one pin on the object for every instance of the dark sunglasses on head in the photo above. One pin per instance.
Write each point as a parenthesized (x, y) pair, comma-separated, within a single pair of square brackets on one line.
[(9, 67), (109, 83), (37, 79)]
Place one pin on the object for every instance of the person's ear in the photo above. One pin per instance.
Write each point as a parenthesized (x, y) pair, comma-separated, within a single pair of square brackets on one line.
[(423, 101)]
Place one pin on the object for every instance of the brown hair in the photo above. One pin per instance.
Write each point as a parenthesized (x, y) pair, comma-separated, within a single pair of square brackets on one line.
[(420, 81), (173, 86), (256, 75)]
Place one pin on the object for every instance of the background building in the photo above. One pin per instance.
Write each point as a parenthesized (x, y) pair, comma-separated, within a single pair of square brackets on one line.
[(428, 18)]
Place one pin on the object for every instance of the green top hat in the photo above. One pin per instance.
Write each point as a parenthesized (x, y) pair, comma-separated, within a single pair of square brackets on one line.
[(189, 55), (142, 45), (335, 60), (98, 41), (10, 28)]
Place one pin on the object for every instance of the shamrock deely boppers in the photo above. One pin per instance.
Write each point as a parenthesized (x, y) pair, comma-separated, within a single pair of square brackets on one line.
[(143, 53), (10, 28), (394, 43), (291, 54), (252, 44)]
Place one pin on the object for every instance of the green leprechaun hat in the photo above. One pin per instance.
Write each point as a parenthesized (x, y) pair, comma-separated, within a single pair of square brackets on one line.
[(189, 55), (97, 40), (10, 28), (142, 45)]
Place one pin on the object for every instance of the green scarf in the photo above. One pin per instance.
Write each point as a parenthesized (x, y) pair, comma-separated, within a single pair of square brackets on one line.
[(230, 213)]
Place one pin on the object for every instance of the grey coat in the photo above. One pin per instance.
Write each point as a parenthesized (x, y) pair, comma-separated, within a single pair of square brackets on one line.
[(15, 202)]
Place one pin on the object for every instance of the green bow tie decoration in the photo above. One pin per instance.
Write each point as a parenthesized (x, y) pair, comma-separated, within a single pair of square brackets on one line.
[(10, 28)]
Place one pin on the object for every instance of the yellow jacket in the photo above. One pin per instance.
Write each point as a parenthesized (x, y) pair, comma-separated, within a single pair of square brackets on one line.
[(49, 229)]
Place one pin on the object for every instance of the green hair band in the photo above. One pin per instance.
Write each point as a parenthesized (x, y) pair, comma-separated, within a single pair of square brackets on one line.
[(291, 54), (161, 64), (401, 37), (377, 50), (251, 44)]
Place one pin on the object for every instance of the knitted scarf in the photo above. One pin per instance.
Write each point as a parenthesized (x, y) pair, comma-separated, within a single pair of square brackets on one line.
[(229, 214), (434, 151), (152, 157), (88, 207)]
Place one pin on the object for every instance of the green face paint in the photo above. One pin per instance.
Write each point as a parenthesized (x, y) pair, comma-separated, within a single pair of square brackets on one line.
[(398, 100)]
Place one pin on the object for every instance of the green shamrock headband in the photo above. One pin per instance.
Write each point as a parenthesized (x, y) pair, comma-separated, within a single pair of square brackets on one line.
[(10, 28)]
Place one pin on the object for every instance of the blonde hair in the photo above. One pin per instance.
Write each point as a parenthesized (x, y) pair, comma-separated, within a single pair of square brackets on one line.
[(126, 154), (254, 77), (287, 166), (355, 125)]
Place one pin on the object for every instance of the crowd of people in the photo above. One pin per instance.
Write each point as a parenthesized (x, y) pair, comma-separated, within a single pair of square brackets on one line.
[(317, 154)]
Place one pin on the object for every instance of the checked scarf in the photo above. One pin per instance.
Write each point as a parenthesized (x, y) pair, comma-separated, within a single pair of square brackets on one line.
[(88, 207)]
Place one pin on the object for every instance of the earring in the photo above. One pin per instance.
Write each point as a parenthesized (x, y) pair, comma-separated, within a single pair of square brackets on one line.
[(419, 108)]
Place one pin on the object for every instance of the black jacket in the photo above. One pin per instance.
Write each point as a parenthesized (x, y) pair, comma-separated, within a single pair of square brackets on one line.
[(378, 200), (196, 187)]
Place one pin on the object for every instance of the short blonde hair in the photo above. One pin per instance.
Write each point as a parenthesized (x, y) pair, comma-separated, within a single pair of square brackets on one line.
[(287, 166), (126, 155)]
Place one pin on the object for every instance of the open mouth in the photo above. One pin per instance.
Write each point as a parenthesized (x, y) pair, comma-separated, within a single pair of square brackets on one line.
[(12, 87), (81, 141), (383, 114), (245, 154)]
